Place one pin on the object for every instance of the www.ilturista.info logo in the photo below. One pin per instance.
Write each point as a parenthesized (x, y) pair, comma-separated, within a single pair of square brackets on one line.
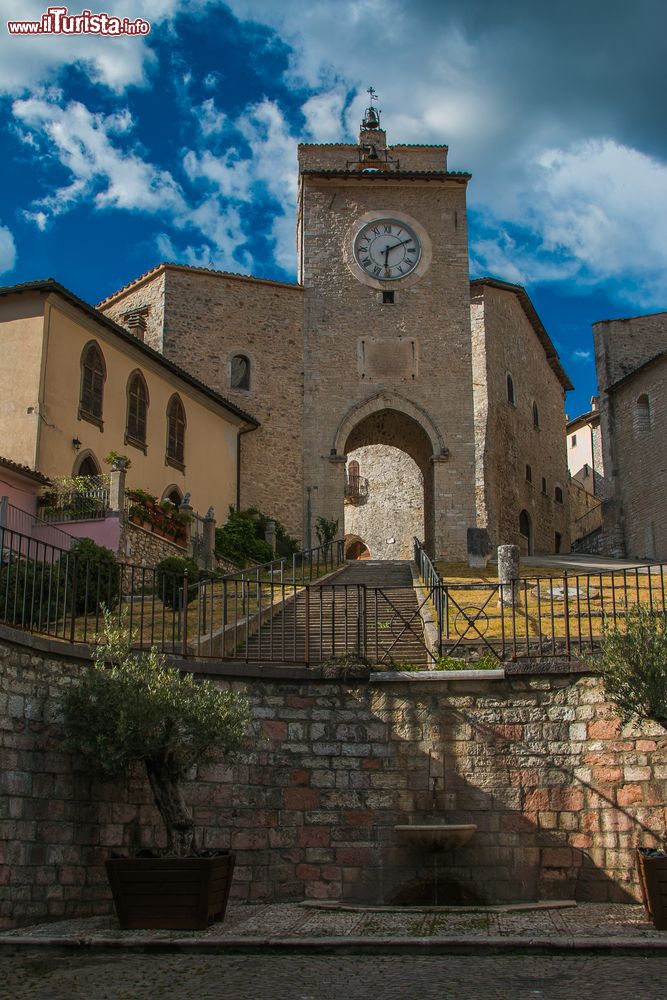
[(57, 21)]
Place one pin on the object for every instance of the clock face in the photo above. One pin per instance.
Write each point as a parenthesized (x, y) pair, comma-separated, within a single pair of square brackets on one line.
[(387, 249)]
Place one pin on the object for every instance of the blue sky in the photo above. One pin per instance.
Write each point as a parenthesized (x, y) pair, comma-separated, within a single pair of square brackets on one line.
[(181, 144)]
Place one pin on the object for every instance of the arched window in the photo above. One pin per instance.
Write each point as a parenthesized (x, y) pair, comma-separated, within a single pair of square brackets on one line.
[(174, 494), (536, 416), (137, 410), (176, 433), (642, 414), (558, 494), (86, 465), (93, 375), (353, 473), (510, 390), (239, 373), (529, 474)]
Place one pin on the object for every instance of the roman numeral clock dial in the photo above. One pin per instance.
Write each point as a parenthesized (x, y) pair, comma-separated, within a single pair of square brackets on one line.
[(387, 249)]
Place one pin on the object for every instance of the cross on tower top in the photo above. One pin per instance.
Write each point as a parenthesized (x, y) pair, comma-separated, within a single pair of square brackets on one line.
[(371, 119)]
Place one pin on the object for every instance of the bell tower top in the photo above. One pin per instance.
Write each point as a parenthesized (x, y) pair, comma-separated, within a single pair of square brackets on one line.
[(372, 138)]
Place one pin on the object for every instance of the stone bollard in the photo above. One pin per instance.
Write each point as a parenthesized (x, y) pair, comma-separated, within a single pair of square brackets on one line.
[(270, 535), (509, 562)]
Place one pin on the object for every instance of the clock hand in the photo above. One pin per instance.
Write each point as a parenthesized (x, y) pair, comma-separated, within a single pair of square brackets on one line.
[(386, 254), (402, 243)]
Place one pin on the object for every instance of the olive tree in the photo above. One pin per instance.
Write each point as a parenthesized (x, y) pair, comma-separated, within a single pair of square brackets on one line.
[(634, 664), (132, 706)]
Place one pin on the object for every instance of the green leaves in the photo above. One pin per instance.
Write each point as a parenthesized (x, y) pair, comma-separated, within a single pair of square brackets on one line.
[(634, 664), (131, 706)]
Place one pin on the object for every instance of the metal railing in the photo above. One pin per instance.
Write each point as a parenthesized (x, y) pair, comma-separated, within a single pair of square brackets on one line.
[(24, 523), (81, 503), (356, 488), (276, 613)]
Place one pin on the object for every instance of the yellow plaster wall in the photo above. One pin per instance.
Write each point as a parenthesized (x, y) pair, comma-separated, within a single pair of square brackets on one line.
[(210, 435), (21, 325)]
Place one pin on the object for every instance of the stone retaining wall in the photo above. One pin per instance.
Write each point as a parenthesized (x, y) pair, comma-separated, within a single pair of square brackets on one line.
[(560, 794)]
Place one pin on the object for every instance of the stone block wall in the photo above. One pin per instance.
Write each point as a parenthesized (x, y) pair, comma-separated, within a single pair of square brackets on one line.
[(559, 792), (144, 548), (392, 514), (507, 440)]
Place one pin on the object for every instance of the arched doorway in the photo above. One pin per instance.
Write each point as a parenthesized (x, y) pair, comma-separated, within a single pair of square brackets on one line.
[(356, 548), (86, 465), (525, 534), (390, 450)]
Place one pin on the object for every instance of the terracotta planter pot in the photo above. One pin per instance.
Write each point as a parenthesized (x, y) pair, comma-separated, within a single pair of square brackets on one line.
[(653, 883), (170, 893)]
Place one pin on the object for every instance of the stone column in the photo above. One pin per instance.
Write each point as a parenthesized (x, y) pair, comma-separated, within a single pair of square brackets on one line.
[(508, 570), (270, 535), (117, 485), (186, 507), (208, 539)]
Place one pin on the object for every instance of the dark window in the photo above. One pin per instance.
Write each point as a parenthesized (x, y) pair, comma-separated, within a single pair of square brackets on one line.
[(536, 416), (388, 298), (510, 390), (529, 474), (558, 495), (558, 541), (174, 495), (573, 441), (137, 409), (88, 467), (642, 414), (93, 374), (240, 372), (544, 485), (524, 524), (175, 432)]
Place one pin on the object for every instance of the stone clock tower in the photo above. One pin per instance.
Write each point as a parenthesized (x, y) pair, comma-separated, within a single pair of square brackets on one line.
[(383, 259)]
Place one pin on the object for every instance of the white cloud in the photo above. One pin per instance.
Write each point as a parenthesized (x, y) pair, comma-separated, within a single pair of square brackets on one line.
[(582, 355), (210, 120), (7, 250), (98, 170), (596, 212)]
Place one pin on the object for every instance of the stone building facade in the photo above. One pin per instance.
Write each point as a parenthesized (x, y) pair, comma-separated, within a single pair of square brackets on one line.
[(367, 353), (631, 364)]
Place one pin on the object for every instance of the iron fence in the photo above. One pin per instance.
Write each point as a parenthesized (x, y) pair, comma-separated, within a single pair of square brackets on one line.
[(283, 613), (88, 501), (25, 524)]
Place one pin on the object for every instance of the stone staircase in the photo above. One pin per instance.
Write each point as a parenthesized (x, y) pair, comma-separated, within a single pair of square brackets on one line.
[(369, 605)]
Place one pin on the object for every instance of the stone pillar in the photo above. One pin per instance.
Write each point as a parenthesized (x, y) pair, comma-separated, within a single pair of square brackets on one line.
[(270, 535), (117, 485), (186, 507), (508, 570), (208, 540)]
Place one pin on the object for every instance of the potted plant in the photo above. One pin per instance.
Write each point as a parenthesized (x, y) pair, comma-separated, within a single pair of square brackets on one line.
[(130, 707), (634, 664)]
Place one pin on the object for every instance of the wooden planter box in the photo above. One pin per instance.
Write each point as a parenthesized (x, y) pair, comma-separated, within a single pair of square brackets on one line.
[(653, 883), (170, 893)]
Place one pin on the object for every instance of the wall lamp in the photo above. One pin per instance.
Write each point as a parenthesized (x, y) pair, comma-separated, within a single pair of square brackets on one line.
[(76, 444)]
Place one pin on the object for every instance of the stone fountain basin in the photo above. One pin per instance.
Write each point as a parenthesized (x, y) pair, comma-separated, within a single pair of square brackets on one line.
[(436, 836)]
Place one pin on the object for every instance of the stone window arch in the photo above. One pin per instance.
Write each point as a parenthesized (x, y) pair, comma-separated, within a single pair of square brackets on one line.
[(536, 415), (174, 494), (93, 377), (86, 464), (558, 494), (511, 394), (239, 372), (176, 424), (642, 414), (137, 410)]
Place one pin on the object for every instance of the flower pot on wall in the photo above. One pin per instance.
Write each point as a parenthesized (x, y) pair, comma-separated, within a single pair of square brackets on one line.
[(653, 884), (170, 893)]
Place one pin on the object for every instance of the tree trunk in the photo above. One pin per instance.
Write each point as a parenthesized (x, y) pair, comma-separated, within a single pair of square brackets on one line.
[(168, 796)]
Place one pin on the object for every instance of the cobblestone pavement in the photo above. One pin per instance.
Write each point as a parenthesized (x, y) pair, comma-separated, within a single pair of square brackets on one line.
[(295, 921), (127, 976)]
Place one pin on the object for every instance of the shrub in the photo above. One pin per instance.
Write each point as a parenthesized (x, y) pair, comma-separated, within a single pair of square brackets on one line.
[(634, 665), (97, 576), (238, 539), (169, 579)]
